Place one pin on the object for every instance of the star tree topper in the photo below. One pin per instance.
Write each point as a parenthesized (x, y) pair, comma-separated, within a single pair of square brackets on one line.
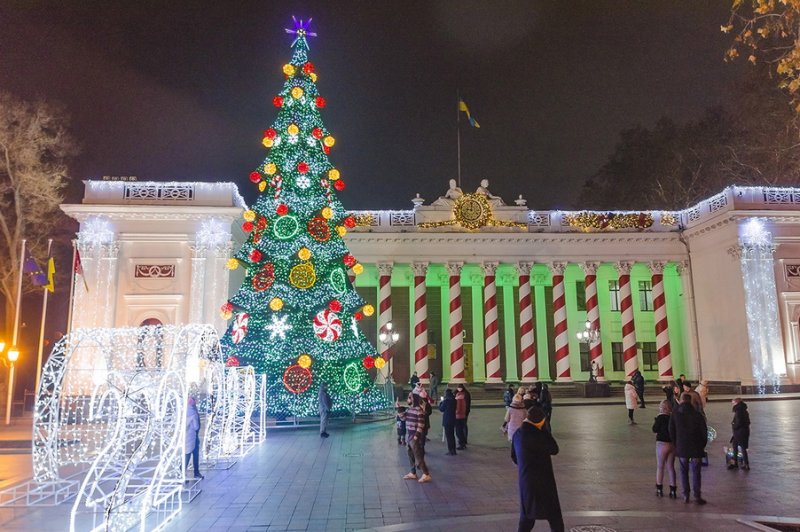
[(301, 30)]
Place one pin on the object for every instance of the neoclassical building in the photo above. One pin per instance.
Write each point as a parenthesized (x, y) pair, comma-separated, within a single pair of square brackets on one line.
[(483, 292)]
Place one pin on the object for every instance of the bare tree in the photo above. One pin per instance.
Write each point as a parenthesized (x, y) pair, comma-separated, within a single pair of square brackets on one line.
[(34, 149)]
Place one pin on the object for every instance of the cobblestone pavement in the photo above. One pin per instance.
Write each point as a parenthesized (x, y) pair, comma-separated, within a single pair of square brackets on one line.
[(605, 473)]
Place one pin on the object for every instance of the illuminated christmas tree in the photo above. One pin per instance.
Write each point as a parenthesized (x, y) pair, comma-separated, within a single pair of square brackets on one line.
[(295, 317)]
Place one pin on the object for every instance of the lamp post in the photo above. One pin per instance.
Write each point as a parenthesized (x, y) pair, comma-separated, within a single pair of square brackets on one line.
[(589, 335), (13, 355), (388, 337)]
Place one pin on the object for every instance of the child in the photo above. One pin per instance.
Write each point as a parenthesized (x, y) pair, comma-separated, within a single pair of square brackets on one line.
[(400, 421), (741, 434)]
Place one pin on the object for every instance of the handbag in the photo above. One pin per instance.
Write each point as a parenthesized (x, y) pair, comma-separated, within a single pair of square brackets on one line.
[(731, 458)]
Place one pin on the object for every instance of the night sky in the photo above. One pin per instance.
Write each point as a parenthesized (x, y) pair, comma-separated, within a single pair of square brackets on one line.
[(182, 90)]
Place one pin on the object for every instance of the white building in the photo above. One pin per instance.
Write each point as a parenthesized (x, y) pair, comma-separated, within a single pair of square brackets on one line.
[(489, 293)]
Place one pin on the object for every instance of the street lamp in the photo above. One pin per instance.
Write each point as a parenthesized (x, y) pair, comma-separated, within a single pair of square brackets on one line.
[(13, 355), (388, 337), (589, 334)]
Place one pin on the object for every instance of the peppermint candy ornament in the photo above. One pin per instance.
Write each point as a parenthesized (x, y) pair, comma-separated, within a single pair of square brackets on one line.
[(239, 327), (327, 325)]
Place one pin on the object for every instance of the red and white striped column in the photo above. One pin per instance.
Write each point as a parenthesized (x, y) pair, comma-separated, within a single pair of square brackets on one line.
[(420, 322), (527, 349), (593, 317), (457, 367), (626, 311), (660, 318), (560, 322), (384, 301), (491, 329)]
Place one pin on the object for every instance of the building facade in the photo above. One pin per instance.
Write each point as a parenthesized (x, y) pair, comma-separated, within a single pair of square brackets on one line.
[(483, 292)]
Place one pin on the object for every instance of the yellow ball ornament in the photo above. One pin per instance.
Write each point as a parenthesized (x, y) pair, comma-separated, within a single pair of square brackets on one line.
[(329, 141), (293, 129), (249, 216), (313, 77), (262, 186), (276, 304), (368, 310), (232, 264), (342, 230), (380, 362), (327, 213), (304, 253), (267, 142), (288, 69), (270, 168), (303, 276), (226, 315), (297, 93), (304, 361), (333, 174), (358, 269)]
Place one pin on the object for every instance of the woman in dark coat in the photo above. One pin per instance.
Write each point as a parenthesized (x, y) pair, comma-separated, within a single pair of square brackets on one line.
[(741, 431), (531, 449), (448, 409)]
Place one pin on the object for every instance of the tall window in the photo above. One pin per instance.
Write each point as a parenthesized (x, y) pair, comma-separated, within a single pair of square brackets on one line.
[(646, 295), (585, 363), (617, 362), (580, 294), (613, 290), (649, 356)]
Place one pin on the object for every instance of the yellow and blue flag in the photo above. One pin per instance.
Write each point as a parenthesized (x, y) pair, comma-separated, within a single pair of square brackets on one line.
[(51, 273), (463, 107)]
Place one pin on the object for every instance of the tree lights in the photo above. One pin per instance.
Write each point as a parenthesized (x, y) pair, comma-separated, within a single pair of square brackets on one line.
[(296, 294)]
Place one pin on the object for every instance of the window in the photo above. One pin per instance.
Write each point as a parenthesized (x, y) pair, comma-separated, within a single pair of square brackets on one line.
[(585, 362), (580, 295), (649, 356), (646, 295), (613, 290), (617, 361)]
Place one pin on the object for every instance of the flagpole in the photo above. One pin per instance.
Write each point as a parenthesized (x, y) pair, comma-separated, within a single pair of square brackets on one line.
[(71, 287), (458, 135), (19, 294), (44, 320)]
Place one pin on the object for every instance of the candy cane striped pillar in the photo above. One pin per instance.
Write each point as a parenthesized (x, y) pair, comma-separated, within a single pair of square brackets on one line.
[(626, 310), (420, 322), (384, 301), (456, 326), (491, 330), (527, 350), (660, 318), (593, 317), (560, 323)]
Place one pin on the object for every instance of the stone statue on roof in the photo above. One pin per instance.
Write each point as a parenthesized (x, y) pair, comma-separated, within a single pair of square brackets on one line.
[(450, 197), (494, 201)]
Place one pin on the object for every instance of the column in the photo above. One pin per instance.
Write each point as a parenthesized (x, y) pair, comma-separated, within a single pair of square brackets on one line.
[(384, 314), (109, 288), (527, 350), (491, 329), (626, 311), (560, 322), (420, 322), (660, 318), (217, 287), (692, 338), (593, 317), (455, 323), (197, 291)]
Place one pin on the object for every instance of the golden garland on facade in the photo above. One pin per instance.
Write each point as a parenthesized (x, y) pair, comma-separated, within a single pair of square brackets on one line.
[(602, 221), (472, 211)]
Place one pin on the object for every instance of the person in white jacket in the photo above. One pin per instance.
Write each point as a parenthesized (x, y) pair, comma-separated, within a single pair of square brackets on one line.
[(631, 401), (515, 416)]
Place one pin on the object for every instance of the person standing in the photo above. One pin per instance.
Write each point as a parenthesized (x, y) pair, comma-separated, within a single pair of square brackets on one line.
[(515, 416), (545, 402), (469, 408), (631, 401), (193, 437), (665, 451), (689, 432), (324, 409), (415, 426), (680, 382), (461, 417), (414, 381), (435, 381), (531, 449), (702, 391), (638, 383), (741, 432), (508, 395), (448, 409)]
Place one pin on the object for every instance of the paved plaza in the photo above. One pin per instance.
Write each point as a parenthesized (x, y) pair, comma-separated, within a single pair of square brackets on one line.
[(605, 472)]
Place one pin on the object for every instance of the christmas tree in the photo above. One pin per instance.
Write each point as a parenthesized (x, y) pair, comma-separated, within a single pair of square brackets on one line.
[(295, 317)]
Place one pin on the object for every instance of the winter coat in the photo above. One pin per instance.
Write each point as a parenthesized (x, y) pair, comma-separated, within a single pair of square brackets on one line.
[(461, 406), (192, 428), (324, 400), (448, 409), (741, 425), (414, 380), (702, 391), (697, 402), (661, 428), (631, 397), (515, 416), (688, 429), (531, 450), (508, 396), (638, 381)]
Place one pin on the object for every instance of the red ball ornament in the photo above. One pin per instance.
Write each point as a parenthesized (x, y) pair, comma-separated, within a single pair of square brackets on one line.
[(264, 278), (296, 378), (326, 150), (226, 307), (318, 229), (339, 185), (358, 316), (247, 227), (316, 133), (261, 224), (282, 209), (255, 177), (302, 167), (349, 260), (277, 101), (255, 255), (349, 222), (270, 133), (308, 68), (335, 305), (232, 362), (320, 101), (368, 362)]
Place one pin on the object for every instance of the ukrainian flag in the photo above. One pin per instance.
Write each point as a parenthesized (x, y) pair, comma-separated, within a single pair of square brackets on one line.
[(463, 107), (51, 274)]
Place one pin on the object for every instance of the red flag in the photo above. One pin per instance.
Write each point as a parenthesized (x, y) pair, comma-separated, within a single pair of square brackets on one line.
[(78, 269)]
